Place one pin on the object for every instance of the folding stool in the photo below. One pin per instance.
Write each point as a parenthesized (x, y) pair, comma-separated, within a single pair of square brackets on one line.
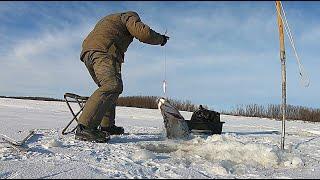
[(81, 100)]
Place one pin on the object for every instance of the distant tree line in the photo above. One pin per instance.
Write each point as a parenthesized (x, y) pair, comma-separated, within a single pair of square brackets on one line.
[(32, 98), (150, 102), (252, 110), (274, 111)]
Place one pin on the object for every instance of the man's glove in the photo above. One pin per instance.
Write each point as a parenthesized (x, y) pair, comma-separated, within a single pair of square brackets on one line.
[(165, 39)]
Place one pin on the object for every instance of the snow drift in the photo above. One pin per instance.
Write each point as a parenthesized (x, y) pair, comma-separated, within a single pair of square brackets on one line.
[(247, 147)]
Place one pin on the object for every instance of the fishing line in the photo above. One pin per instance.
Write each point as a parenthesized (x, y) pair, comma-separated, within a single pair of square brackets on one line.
[(302, 73), (164, 82), (304, 79)]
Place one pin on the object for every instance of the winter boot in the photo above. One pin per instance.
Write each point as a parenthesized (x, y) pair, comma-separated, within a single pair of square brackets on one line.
[(84, 133), (113, 130)]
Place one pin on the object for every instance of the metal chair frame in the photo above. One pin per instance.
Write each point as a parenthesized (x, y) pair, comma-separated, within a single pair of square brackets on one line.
[(81, 100)]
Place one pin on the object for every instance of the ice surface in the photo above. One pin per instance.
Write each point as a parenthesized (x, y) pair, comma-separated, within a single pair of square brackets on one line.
[(247, 147)]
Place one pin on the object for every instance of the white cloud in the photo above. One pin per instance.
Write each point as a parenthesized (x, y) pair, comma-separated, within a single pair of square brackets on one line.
[(226, 53), (46, 62)]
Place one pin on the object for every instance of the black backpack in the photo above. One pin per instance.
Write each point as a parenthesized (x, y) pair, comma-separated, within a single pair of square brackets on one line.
[(205, 115), (206, 121)]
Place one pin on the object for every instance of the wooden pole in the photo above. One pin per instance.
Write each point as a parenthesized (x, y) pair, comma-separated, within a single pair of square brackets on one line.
[(283, 72)]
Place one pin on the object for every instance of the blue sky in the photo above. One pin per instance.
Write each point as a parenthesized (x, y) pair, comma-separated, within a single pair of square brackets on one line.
[(221, 54)]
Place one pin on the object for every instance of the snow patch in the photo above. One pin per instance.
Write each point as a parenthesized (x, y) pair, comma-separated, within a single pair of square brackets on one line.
[(228, 153), (142, 155), (314, 132), (53, 143), (160, 147), (294, 162), (219, 170)]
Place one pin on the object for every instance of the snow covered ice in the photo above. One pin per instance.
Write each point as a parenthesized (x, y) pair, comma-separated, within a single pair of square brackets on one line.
[(247, 147)]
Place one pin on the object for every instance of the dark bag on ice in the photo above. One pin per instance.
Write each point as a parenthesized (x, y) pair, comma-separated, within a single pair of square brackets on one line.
[(204, 120)]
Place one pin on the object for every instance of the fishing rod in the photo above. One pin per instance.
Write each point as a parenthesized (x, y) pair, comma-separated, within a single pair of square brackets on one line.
[(283, 72), (282, 22)]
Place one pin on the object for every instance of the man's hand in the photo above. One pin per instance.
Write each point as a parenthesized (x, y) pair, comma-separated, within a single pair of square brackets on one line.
[(165, 39)]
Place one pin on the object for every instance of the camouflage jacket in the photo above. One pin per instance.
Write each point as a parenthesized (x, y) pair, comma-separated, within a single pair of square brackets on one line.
[(114, 33)]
